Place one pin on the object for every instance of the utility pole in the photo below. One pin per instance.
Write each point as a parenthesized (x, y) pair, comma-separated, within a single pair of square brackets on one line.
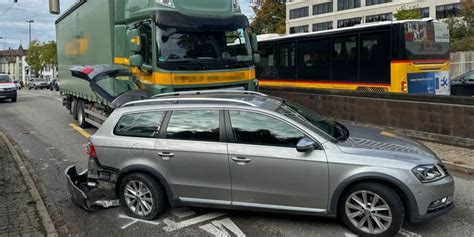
[(29, 30)]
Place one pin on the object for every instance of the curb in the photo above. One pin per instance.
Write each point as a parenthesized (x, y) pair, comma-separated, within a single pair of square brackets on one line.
[(457, 167), (40, 207)]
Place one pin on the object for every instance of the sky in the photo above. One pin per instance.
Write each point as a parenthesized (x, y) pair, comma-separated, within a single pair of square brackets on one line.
[(14, 28)]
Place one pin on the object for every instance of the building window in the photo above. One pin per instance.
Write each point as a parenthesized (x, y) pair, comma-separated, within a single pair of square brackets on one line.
[(322, 8), (379, 17), (425, 12), (445, 11), (299, 29), (322, 26), (349, 22), (299, 12), (347, 4), (375, 2)]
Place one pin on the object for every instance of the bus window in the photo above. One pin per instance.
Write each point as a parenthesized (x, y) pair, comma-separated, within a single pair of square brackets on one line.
[(314, 60), (287, 61), (267, 68), (345, 59), (375, 57)]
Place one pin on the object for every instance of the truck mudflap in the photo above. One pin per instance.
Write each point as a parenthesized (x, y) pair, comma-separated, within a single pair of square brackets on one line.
[(87, 196)]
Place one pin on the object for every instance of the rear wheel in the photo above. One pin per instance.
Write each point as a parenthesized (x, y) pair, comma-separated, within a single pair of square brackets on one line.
[(141, 196), (14, 99), (81, 115), (372, 209)]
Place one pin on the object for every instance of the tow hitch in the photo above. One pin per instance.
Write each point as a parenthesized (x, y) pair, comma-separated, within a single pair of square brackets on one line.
[(88, 195)]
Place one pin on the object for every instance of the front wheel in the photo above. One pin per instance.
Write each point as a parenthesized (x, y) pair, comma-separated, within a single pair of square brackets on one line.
[(141, 196), (14, 99), (372, 209)]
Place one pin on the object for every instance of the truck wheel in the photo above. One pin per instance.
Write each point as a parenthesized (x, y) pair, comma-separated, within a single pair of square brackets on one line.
[(372, 209), (73, 109), (141, 196), (81, 115)]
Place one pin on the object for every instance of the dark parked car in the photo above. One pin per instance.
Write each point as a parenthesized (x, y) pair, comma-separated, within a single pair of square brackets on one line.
[(36, 83), (463, 85), (54, 84)]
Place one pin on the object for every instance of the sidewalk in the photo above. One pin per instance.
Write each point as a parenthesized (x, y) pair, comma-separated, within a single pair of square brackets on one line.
[(19, 214)]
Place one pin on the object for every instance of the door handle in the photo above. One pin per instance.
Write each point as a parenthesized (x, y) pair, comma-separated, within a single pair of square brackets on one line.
[(241, 160), (165, 155)]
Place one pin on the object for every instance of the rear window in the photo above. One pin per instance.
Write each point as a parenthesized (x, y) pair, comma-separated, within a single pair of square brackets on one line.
[(139, 125), (426, 40), (5, 79)]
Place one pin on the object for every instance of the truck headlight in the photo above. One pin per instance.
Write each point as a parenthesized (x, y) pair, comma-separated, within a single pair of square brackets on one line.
[(428, 173), (168, 3)]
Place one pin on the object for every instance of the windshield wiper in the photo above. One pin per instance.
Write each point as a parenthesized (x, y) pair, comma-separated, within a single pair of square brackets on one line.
[(343, 130), (189, 64), (236, 64)]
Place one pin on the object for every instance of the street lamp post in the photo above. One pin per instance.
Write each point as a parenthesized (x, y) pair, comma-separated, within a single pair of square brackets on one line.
[(29, 30)]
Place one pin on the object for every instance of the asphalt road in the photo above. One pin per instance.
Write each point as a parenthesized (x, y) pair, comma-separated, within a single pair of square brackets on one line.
[(40, 125)]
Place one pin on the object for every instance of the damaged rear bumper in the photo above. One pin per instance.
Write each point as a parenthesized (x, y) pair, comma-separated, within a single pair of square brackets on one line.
[(87, 194)]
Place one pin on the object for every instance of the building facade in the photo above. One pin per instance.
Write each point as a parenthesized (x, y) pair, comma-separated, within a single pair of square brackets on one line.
[(12, 62), (316, 15)]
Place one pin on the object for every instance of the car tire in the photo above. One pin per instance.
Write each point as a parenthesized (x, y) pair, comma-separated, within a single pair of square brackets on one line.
[(81, 115), (29, 88), (385, 221), (14, 99), (36, 88), (153, 194)]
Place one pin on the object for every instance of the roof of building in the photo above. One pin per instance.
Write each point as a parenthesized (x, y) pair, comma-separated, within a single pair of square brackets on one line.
[(14, 52)]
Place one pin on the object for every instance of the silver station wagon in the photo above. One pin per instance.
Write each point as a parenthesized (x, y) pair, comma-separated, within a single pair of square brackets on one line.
[(247, 150)]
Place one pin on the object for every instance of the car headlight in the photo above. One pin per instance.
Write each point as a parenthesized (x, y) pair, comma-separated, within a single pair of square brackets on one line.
[(168, 3), (428, 173)]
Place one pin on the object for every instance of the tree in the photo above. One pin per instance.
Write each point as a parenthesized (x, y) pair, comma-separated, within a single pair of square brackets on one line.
[(49, 54), (408, 12), (461, 28), (270, 17), (34, 58)]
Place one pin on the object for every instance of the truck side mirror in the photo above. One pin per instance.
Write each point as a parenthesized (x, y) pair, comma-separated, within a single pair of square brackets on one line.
[(256, 58), (134, 41), (135, 60), (54, 7), (254, 42)]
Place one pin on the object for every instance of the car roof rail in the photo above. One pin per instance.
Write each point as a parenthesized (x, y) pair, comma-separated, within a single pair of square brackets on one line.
[(158, 101), (208, 92)]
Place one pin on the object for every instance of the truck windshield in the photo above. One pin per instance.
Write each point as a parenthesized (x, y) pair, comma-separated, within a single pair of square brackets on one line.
[(183, 45), (5, 79)]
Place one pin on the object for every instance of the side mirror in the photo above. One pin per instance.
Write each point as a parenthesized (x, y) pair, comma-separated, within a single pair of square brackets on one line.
[(54, 7), (254, 42), (305, 145), (256, 58), (134, 41), (135, 60)]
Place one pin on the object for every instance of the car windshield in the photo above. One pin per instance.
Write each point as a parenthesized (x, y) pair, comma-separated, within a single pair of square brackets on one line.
[(314, 121), (5, 79), (180, 44)]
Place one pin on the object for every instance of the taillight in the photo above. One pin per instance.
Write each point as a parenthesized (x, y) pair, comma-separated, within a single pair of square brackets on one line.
[(404, 86), (90, 148)]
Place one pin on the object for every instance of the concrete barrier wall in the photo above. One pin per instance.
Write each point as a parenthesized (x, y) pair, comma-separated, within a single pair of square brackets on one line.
[(461, 62), (424, 114)]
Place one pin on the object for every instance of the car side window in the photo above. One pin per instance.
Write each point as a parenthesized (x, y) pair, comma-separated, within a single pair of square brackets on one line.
[(196, 125), (145, 124), (259, 129)]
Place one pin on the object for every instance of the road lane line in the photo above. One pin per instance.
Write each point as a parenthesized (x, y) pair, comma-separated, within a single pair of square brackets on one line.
[(80, 130)]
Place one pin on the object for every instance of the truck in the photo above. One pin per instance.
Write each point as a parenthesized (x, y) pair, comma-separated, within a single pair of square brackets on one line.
[(114, 51)]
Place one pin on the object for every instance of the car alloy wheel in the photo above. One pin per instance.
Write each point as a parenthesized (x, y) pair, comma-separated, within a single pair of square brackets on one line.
[(138, 198), (368, 212)]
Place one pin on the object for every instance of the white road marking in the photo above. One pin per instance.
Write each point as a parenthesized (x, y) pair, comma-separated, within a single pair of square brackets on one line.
[(182, 212), (172, 225), (219, 228), (135, 220), (408, 233)]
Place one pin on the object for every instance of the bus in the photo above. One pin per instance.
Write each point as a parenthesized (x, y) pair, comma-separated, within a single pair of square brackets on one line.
[(409, 56)]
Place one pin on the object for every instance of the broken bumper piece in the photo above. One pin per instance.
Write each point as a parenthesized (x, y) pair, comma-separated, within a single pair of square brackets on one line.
[(86, 194)]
